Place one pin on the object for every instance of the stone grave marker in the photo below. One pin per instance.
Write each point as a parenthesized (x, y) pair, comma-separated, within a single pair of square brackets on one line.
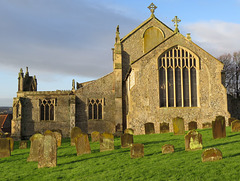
[(211, 154), (137, 150), (11, 143), (36, 141), (219, 127), (192, 125), (23, 144), (129, 131), (126, 140), (164, 127), (193, 141), (167, 148), (5, 150), (47, 156), (75, 132), (48, 132), (235, 126), (178, 126), (149, 128), (230, 120), (95, 136), (58, 137), (82, 144), (106, 142), (207, 125)]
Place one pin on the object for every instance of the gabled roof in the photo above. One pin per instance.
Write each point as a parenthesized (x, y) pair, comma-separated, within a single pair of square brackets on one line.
[(3, 118)]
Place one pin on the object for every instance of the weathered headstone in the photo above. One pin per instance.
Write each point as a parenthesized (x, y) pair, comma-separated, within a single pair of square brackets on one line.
[(235, 126), (149, 128), (82, 144), (211, 154), (95, 136), (75, 132), (48, 132), (5, 150), (36, 141), (126, 140), (219, 127), (164, 127), (129, 131), (207, 125), (58, 137), (167, 148), (11, 143), (193, 141), (23, 144), (106, 142), (230, 120), (47, 156), (178, 126), (137, 150), (192, 125)]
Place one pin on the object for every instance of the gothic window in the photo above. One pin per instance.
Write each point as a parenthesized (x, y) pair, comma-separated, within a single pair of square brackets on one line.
[(178, 69), (95, 108), (47, 107)]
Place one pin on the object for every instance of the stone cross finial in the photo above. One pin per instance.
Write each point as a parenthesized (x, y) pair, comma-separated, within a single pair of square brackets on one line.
[(176, 20), (152, 8)]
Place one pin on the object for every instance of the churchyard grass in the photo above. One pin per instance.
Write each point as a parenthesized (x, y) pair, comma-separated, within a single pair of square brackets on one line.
[(117, 164)]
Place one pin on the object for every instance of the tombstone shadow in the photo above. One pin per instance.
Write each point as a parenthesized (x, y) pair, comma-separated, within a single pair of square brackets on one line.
[(221, 144)]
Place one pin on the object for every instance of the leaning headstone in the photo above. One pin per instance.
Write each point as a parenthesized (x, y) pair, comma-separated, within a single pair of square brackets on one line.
[(129, 131), (235, 126), (164, 127), (206, 125), (167, 148), (11, 143), (5, 150), (126, 140), (82, 144), (23, 144), (137, 150), (47, 156), (36, 141), (75, 132), (178, 126), (211, 154), (58, 137), (193, 141), (218, 127), (95, 136), (230, 120), (192, 125), (149, 128), (106, 142)]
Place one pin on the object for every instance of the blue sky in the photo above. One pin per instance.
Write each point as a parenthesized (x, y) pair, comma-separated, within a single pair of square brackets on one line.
[(61, 40)]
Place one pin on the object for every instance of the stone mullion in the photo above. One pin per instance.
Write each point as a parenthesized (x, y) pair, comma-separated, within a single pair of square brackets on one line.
[(174, 83), (189, 79), (181, 69), (166, 67)]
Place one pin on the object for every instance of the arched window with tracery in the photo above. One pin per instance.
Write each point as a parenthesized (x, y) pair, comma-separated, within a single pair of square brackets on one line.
[(178, 68), (95, 109), (47, 109)]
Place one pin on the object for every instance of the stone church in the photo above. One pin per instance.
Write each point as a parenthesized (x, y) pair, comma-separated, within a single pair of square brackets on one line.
[(158, 74)]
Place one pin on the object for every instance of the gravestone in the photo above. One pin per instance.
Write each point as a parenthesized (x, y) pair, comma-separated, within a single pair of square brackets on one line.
[(230, 120), (5, 150), (167, 148), (192, 125), (129, 131), (235, 126), (11, 143), (126, 140), (23, 144), (178, 126), (47, 156), (58, 137), (207, 125), (106, 142), (137, 150), (193, 141), (75, 132), (95, 136), (48, 132), (218, 127), (82, 144), (149, 128), (164, 127), (211, 154), (36, 141)]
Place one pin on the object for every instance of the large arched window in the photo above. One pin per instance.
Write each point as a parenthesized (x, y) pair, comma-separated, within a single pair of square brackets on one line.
[(178, 69)]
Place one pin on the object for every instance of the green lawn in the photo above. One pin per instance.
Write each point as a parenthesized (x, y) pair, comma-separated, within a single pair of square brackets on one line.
[(117, 164)]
